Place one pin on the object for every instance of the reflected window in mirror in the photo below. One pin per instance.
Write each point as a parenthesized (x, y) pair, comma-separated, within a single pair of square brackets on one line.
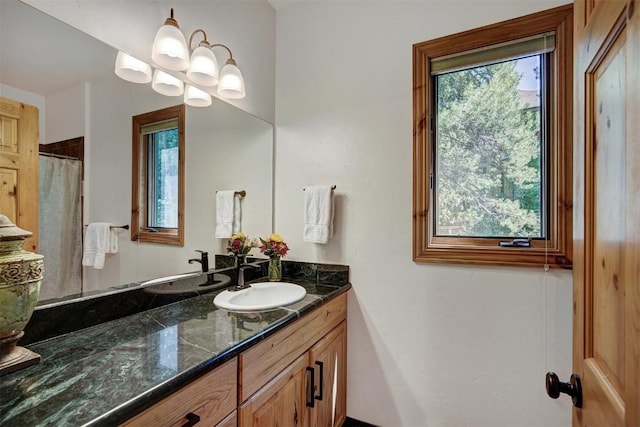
[(157, 214)]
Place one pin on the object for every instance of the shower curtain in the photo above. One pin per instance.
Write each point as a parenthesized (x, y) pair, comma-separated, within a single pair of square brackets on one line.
[(60, 226)]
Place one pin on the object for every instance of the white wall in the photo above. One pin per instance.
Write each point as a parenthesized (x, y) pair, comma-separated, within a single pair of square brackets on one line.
[(61, 115), (429, 345), (246, 27), (65, 114)]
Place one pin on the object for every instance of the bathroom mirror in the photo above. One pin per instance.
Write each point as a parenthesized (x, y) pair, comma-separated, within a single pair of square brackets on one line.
[(69, 76)]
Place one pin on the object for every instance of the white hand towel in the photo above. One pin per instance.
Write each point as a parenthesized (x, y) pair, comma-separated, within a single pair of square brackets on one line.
[(318, 214), (113, 241), (237, 215), (224, 213), (96, 244)]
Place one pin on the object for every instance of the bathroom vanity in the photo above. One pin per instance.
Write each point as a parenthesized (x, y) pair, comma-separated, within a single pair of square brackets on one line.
[(295, 376), (190, 363)]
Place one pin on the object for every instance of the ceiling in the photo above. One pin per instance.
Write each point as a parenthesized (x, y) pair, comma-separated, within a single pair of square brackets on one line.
[(42, 55)]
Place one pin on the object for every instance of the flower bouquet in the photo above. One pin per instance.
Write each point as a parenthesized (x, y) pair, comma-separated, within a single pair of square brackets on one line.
[(240, 245), (275, 248)]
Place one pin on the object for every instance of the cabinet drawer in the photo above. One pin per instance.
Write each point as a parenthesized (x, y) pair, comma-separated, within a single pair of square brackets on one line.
[(265, 360), (211, 397)]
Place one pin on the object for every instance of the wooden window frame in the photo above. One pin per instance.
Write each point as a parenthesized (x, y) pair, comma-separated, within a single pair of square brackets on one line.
[(556, 250), (139, 231)]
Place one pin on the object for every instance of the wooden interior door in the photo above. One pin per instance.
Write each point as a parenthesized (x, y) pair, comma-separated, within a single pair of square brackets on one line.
[(19, 166), (606, 342)]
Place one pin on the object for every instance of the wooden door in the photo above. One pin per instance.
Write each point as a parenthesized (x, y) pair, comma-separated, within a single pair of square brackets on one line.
[(19, 166), (606, 347), (328, 357), (281, 402)]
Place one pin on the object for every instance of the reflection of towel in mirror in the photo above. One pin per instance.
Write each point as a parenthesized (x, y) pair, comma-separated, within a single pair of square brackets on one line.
[(113, 241), (318, 214), (237, 215), (228, 214), (97, 243)]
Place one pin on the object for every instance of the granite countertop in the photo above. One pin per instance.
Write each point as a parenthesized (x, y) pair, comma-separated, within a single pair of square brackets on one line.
[(105, 374)]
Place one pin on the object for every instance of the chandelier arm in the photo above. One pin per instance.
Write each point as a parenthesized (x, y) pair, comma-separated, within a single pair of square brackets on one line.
[(221, 45), (199, 30)]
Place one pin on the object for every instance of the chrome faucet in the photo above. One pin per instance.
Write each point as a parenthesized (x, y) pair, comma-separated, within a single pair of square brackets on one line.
[(204, 260), (241, 269)]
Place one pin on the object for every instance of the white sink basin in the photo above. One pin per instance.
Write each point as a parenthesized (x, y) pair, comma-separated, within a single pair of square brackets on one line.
[(188, 285), (260, 296), (171, 278)]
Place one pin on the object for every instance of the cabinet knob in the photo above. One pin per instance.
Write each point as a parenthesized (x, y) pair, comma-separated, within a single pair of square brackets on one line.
[(573, 388), (192, 419)]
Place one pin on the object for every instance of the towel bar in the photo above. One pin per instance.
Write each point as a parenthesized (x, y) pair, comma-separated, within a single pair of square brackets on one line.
[(333, 187), (125, 227), (240, 193)]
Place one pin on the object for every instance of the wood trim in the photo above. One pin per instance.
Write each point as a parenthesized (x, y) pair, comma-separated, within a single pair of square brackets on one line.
[(557, 250), (73, 147), (138, 209)]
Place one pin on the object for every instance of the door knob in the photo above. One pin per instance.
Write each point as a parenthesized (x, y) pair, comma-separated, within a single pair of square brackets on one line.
[(573, 388)]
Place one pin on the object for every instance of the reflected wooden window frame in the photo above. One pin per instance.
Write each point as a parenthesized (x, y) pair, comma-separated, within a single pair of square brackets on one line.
[(556, 249), (140, 231)]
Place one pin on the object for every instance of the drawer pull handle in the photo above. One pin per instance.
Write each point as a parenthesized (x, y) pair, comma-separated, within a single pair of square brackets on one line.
[(321, 385), (192, 419), (312, 387)]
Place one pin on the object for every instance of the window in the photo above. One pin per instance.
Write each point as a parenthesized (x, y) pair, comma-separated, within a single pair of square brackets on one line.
[(492, 144), (158, 177), (162, 174)]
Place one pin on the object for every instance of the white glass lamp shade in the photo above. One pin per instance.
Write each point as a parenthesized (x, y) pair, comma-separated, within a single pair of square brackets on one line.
[(166, 84), (132, 69), (231, 84), (170, 48), (203, 67), (196, 97)]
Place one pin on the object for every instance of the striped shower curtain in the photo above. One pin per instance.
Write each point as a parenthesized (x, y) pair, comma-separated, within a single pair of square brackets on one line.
[(60, 226)]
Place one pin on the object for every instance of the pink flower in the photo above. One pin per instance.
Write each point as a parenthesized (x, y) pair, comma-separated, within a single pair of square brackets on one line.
[(274, 246)]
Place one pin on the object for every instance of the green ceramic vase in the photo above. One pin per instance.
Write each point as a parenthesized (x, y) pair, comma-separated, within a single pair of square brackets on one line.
[(20, 278)]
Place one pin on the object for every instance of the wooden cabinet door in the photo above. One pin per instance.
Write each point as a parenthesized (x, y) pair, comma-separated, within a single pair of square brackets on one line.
[(19, 167), (328, 358), (281, 402), (606, 347)]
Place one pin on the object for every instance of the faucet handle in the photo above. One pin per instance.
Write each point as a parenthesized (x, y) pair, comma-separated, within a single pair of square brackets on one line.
[(202, 252)]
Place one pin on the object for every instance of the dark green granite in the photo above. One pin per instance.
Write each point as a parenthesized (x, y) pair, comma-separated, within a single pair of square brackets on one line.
[(330, 274), (104, 374), (56, 317)]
